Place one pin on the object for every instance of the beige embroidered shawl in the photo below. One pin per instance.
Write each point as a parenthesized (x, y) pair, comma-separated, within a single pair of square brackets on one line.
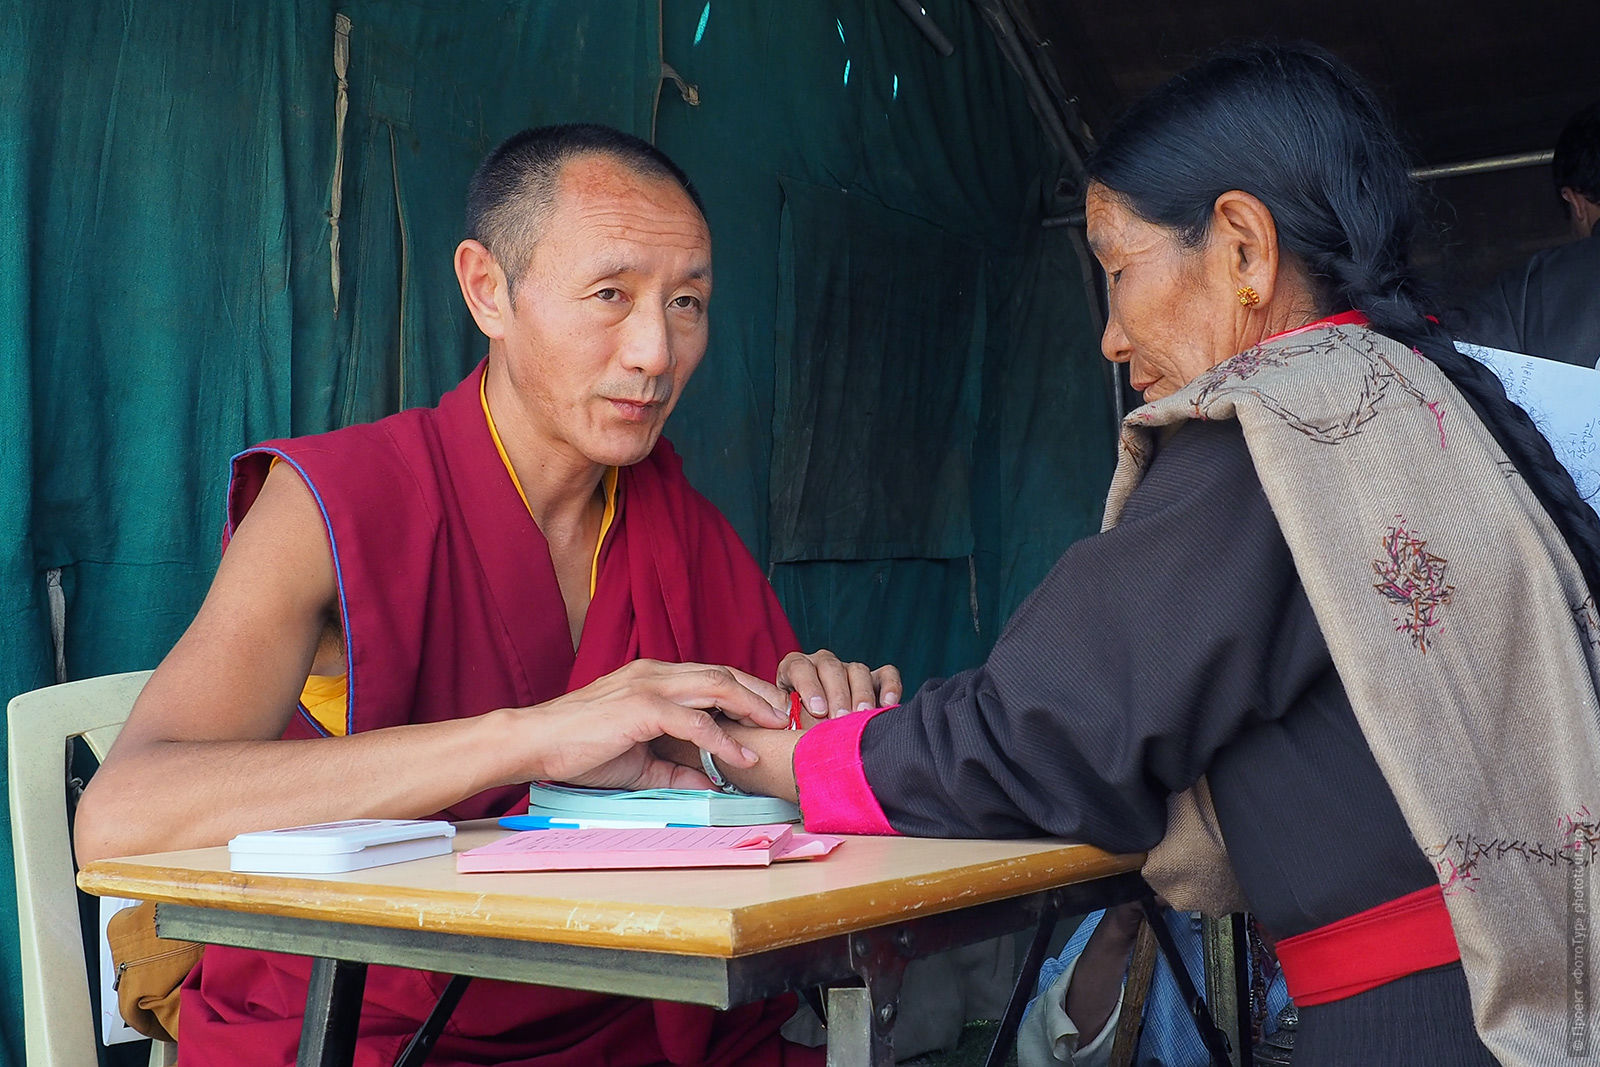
[(1466, 639)]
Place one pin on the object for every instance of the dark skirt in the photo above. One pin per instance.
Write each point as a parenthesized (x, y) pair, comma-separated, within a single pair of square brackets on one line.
[(1421, 1020)]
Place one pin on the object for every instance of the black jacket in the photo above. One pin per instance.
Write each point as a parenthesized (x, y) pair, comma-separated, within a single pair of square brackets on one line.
[(1550, 307)]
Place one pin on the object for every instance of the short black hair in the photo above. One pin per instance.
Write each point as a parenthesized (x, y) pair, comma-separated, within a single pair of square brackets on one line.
[(511, 193), (1577, 160)]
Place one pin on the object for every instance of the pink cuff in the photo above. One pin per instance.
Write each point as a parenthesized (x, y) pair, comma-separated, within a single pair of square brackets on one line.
[(834, 794)]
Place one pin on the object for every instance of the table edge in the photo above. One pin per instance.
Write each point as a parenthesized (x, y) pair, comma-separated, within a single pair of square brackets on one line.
[(725, 932)]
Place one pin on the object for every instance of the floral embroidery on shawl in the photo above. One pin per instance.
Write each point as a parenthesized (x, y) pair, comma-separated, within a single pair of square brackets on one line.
[(1437, 408), (1580, 832), (1461, 861), (1229, 376), (1412, 578), (1588, 621), (1134, 446), (1454, 877)]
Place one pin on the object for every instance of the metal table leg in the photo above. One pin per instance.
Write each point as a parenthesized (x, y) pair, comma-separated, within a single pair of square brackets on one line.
[(416, 1051), (861, 1018), (1244, 1006), (1022, 988), (333, 1013)]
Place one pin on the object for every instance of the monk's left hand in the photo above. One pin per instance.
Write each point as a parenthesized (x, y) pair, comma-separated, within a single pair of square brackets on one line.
[(830, 687)]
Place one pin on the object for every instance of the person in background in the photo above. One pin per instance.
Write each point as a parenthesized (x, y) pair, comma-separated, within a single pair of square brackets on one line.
[(1341, 618), (418, 616), (1081, 997), (1550, 307)]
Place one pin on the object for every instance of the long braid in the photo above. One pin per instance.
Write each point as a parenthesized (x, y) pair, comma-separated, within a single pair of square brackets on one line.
[(1525, 446), (1392, 303)]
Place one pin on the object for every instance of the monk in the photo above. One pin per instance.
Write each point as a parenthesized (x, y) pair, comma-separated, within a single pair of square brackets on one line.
[(418, 616)]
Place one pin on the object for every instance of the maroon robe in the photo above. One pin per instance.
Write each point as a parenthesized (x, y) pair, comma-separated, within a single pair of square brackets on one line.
[(450, 608)]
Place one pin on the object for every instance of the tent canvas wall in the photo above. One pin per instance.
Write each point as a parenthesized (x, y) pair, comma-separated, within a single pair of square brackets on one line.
[(227, 222)]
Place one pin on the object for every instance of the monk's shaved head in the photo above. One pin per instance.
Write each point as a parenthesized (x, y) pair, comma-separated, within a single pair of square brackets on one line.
[(511, 195)]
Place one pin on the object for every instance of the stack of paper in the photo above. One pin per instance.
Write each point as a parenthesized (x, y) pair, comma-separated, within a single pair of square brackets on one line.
[(694, 807), (679, 846), (1564, 403)]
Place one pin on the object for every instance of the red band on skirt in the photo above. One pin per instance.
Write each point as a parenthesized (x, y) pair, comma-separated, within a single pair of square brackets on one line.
[(1369, 949)]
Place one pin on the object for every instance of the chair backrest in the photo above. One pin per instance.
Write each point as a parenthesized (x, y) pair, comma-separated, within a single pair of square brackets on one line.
[(59, 1022)]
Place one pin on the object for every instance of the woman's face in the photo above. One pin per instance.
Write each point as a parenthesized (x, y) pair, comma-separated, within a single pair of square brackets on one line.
[(1172, 312)]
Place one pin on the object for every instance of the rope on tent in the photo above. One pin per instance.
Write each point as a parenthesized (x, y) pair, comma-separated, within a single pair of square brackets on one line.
[(341, 107), (690, 93), (56, 597)]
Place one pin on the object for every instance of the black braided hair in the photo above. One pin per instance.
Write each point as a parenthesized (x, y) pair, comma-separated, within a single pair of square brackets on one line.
[(1296, 128)]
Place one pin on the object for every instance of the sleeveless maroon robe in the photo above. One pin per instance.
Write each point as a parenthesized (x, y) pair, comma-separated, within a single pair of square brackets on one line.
[(450, 608)]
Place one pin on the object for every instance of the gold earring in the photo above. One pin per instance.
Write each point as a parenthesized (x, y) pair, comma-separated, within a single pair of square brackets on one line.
[(1248, 297)]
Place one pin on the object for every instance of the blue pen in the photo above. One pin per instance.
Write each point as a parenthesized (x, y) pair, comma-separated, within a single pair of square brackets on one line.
[(548, 822)]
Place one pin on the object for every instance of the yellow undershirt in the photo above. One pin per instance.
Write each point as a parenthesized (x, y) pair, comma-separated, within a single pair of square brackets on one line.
[(324, 695)]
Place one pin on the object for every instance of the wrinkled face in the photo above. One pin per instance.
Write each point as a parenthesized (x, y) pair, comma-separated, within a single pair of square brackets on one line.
[(609, 319), (1171, 312)]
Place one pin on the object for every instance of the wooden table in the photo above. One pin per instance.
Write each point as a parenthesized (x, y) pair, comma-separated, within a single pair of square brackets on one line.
[(719, 937)]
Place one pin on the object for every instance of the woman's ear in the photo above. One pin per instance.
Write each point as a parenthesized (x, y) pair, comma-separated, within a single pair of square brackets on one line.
[(1245, 237), (484, 287)]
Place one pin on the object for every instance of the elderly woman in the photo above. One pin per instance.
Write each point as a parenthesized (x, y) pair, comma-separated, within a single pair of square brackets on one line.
[(1342, 581)]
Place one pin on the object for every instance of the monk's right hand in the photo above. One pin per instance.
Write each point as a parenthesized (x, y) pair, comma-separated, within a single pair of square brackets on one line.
[(600, 735)]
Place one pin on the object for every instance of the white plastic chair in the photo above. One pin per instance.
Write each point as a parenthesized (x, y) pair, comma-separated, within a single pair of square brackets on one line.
[(59, 1022)]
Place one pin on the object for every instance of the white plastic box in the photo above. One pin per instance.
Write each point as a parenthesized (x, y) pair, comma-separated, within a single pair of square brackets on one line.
[(333, 847)]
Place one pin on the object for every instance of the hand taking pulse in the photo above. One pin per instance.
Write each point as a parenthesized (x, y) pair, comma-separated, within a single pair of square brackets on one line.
[(614, 731), (829, 687)]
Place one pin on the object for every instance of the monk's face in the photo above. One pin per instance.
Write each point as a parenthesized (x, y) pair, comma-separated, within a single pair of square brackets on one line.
[(1171, 315), (609, 319)]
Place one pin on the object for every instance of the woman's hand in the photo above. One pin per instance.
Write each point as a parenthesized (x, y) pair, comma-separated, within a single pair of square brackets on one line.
[(829, 687)]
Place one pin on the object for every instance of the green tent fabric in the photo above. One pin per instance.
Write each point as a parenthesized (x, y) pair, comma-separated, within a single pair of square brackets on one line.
[(850, 98), (879, 344), (173, 176), (433, 87), (25, 657), (166, 173)]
